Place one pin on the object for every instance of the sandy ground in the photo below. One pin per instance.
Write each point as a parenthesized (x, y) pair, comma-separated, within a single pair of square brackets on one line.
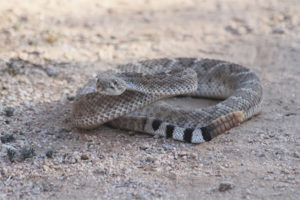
[(48, 49)]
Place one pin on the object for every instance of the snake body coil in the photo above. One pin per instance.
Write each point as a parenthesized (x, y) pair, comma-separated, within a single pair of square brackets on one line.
[(124, 97)]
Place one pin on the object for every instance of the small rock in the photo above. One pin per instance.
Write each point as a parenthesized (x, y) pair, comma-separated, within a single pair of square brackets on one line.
[(296, 155), (144, 147), (7, 138), (49, 154), (70, 98), (46, 187), (51, 71), (46, 168), (36, 53), (36, 190), (27, 153), (168, 146), (194, 155), (125, 185), (11, 154), (232, 30), (21, 133), (76, 157), (84, 157), (260, 153), (278, 30), (290, 114), (9, 111), (183, 153), (99, 172), (150, 159), (223, 187)]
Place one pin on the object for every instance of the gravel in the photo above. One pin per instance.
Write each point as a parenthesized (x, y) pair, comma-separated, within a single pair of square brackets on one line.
[(49, 50)]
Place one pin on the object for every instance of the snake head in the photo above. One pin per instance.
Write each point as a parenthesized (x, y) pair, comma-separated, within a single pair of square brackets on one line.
[(110, 85)]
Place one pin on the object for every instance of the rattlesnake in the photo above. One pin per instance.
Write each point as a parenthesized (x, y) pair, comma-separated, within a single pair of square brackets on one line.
[(122, 97)]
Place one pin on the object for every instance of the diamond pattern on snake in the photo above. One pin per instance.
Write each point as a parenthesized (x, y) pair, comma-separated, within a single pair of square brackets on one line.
[(128, 97)]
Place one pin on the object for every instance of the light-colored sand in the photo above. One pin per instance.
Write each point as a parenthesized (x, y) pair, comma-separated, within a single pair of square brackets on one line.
[(69, 41)]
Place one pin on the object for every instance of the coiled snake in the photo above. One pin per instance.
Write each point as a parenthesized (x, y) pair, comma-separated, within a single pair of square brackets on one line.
[(124, 96)]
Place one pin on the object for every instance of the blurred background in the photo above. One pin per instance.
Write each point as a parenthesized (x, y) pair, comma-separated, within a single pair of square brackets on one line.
[(120, 30)]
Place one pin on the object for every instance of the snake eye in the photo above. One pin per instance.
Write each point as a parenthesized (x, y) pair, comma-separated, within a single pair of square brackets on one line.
[(112, 85), (115, 82)]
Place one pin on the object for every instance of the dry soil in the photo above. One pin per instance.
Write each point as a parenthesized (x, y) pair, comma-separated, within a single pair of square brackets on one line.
[(49, 49)]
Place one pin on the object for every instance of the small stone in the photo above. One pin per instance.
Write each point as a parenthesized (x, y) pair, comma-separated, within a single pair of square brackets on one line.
[(290, 114), (296, 155), (46, 187), (144, 147), (7, 138), (232, 30), (150, 159), (183, 153), (36, 53), (21, 133), (51, 71), (51, 38), (278, 30), (49, 154), (70, 98), (45, 168), (168, 146), (84, 157), (194, 155), (27, 153), (260, 153), (225, 186), (11, 154), (36, 190), (9, 111)]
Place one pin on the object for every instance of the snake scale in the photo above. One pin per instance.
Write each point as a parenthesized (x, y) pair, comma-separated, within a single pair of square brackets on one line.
[(127, 97)]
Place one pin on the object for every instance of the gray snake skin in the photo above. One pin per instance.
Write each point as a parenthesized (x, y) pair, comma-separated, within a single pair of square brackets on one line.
[(125, 98)]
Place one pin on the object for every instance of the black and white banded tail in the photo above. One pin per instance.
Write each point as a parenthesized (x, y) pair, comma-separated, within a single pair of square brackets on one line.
[(187, 134)]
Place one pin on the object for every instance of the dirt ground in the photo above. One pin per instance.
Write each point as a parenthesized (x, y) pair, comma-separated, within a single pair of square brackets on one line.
[(49, 49)]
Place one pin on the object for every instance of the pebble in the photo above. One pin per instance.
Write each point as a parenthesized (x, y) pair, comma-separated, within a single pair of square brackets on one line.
[(49, 154), (84, 157), (150, 159), (27, 153), (36, 190), (46, 187), (168, 146), (278, 30), (11, 154), (296, 155), (9, 111), (7, 138), (51, 71), (144, 147), (70, 98), (225, 186), (260, 153)]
